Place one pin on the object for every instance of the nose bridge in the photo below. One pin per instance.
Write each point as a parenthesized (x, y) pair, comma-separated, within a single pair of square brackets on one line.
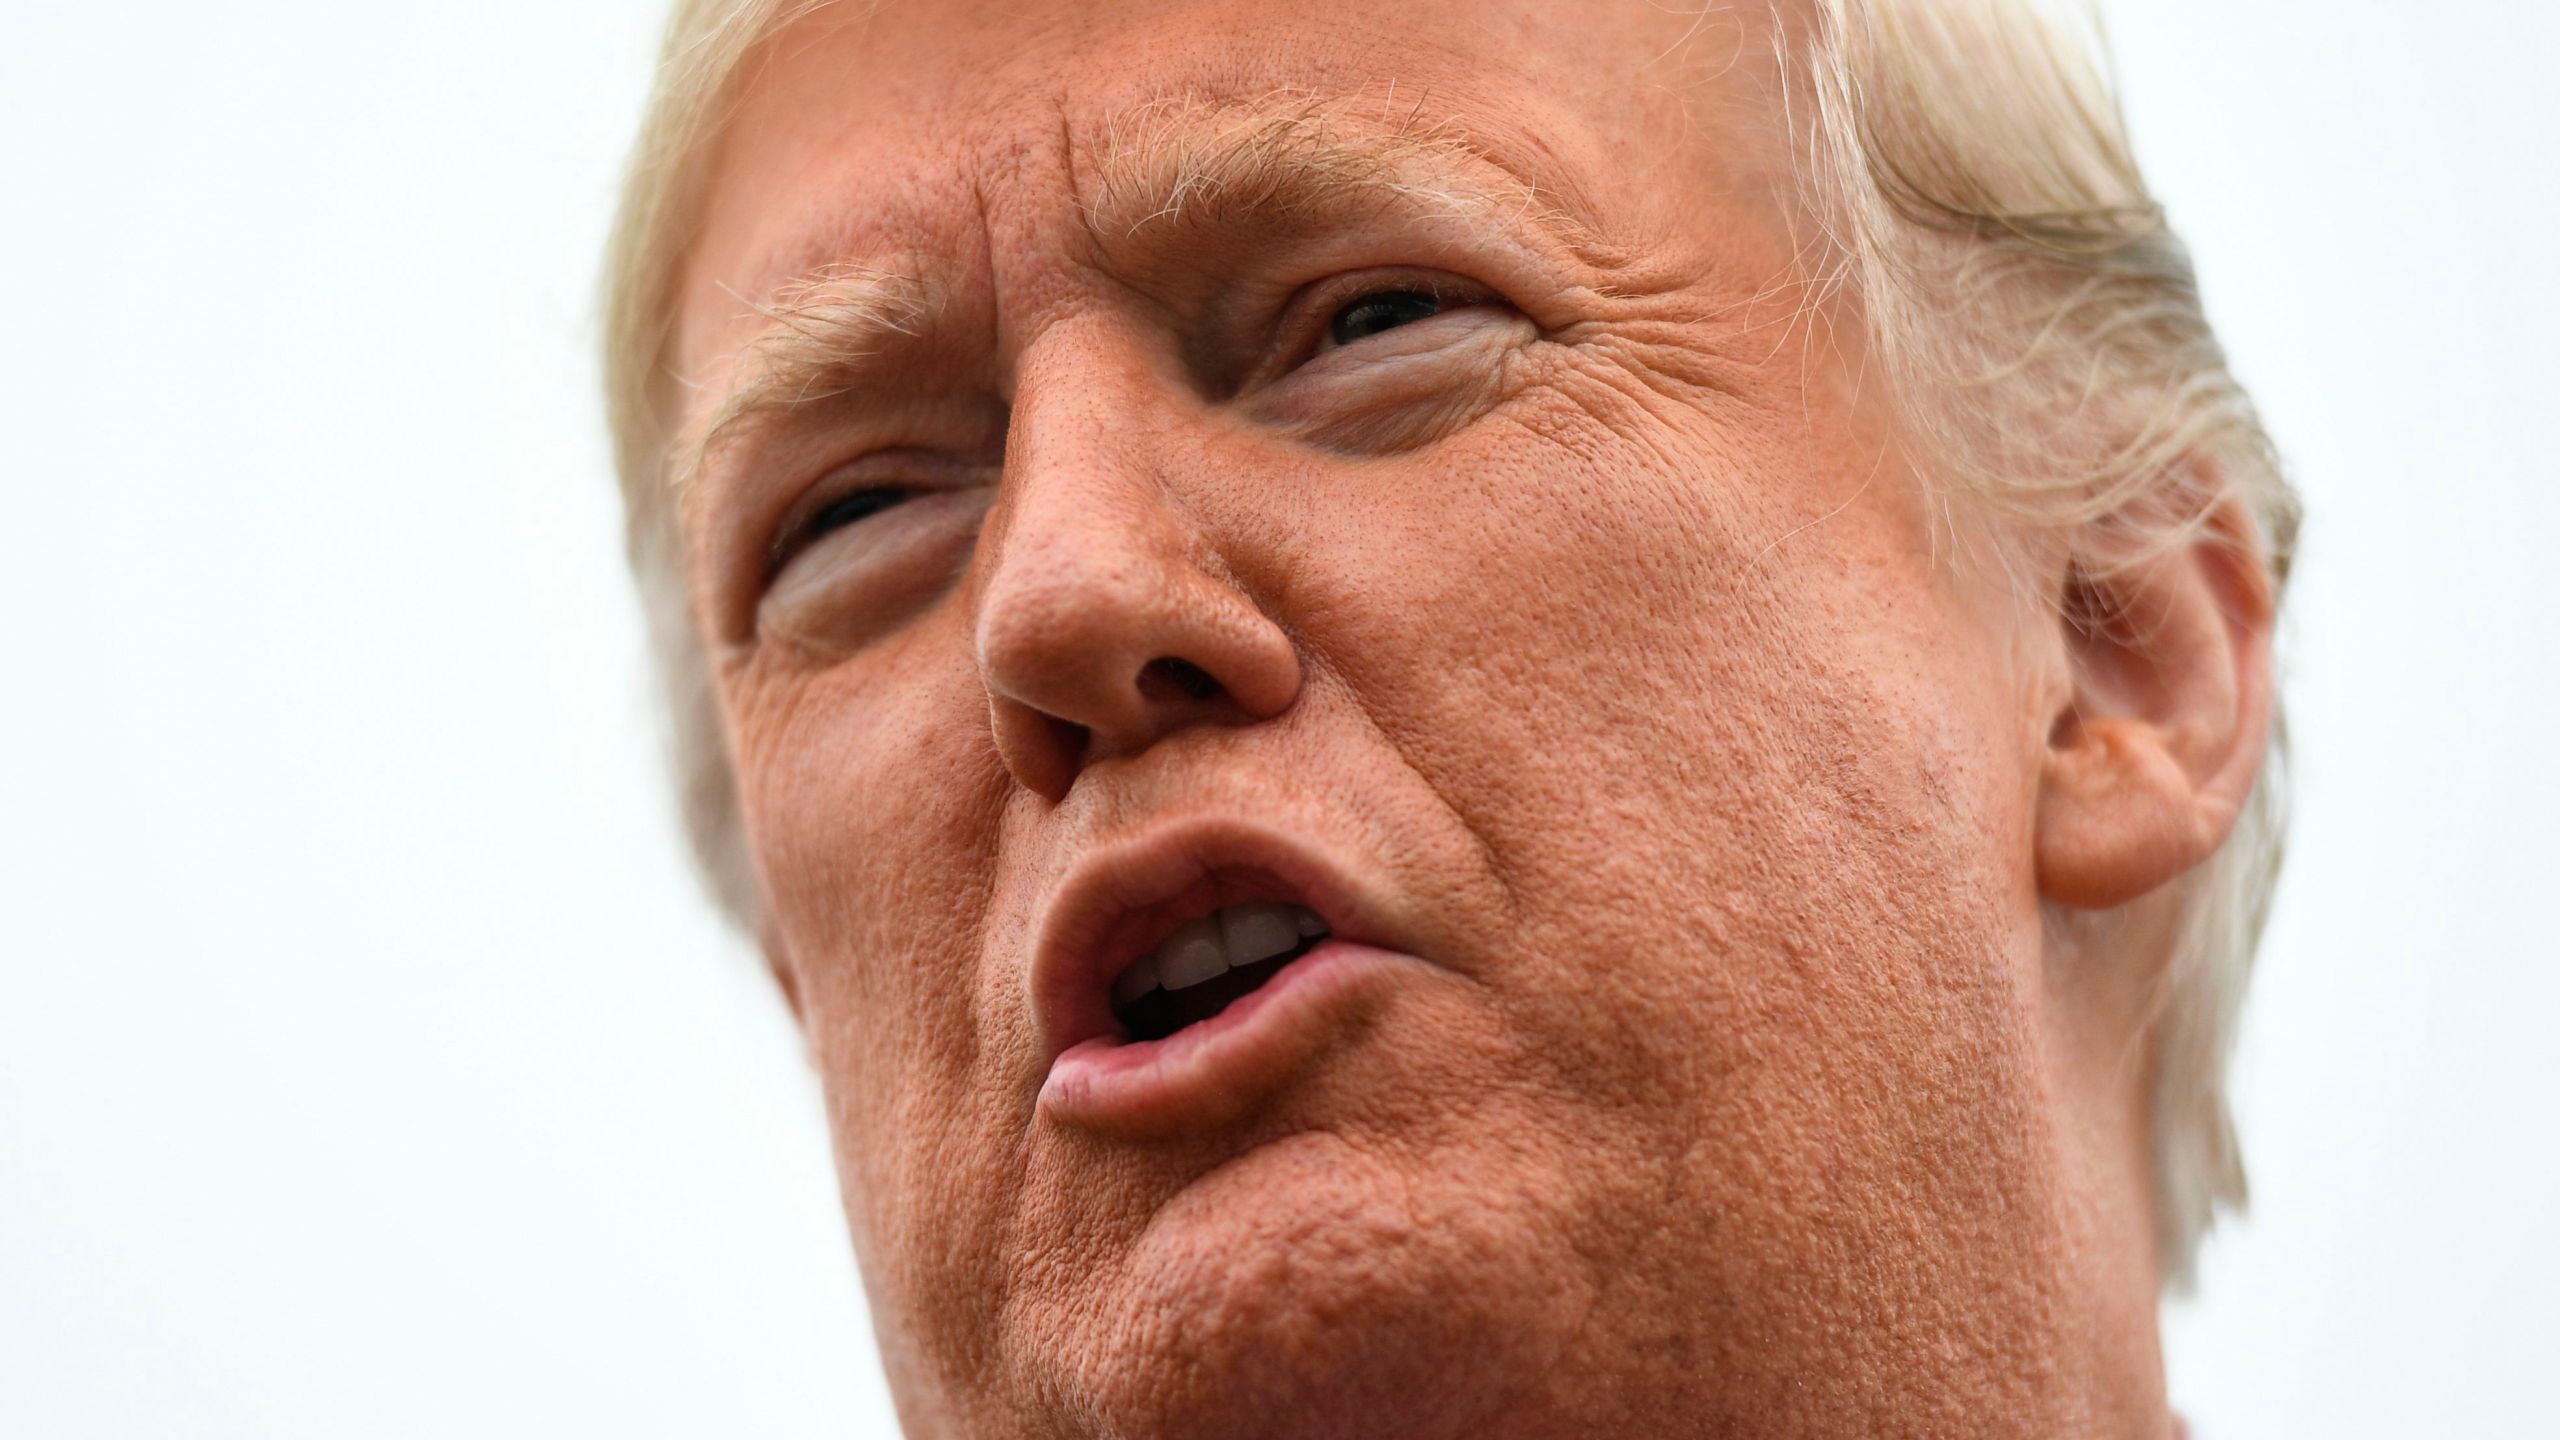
[(1105, 616), (1085, 532)]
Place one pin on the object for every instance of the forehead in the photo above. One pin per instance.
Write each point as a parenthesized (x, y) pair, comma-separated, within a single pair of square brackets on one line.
[(994, 136)]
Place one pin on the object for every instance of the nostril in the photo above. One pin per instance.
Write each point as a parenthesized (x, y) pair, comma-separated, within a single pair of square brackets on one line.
[(1180, 674)]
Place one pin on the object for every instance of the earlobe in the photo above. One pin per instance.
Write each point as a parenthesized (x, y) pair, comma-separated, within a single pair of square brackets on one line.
[(2153, 757)]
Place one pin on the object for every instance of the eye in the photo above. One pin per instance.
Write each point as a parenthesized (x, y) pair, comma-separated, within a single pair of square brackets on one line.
[(1365, 342), (836, 514), (860, 505), (1381, 311)]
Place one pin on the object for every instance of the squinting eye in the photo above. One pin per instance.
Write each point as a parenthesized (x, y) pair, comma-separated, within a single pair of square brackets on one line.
[(1373, 314), (860, 505), (835, 515)]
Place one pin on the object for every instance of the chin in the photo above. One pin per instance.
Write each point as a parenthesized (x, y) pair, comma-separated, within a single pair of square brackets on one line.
[(1310, 1288)]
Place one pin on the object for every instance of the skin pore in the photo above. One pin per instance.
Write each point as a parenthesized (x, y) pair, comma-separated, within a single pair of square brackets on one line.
[(1440, 384)]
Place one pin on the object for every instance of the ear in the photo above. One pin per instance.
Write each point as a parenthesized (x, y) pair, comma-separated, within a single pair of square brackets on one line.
[(2152, 756)]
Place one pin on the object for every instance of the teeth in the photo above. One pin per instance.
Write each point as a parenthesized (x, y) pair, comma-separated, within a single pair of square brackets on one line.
[(1135, 981), (1210, 946), (1191, 955), (1257, 932)]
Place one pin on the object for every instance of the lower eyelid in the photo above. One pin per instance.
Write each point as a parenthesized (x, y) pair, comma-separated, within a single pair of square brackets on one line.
[(1416, 336), (836, 557), (1443, 374), (1454, 329), (797, 538)]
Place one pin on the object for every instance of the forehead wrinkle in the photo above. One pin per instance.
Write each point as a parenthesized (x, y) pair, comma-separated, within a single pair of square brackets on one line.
[(827, 334), (1288, 158)]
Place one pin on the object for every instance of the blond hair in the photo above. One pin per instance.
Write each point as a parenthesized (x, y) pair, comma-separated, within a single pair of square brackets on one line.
[(2036, 320)]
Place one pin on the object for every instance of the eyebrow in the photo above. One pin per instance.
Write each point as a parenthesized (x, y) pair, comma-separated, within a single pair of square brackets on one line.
[(1281, 161), (824, 337)]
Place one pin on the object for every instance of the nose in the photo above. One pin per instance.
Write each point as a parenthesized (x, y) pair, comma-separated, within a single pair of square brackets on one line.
[(1107, 617)]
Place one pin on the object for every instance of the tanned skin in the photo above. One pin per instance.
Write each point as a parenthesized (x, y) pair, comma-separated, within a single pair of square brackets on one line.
[(1583, 618)]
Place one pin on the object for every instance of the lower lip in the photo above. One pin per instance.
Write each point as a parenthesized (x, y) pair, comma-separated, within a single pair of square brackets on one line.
[(1216, 1070)]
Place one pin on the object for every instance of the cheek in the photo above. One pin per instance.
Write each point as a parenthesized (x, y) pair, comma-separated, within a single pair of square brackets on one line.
[(1725, 729), (1637, 629), (871, 790)]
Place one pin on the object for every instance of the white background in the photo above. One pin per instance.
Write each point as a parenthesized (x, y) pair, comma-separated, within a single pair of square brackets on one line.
[(368, 1065)]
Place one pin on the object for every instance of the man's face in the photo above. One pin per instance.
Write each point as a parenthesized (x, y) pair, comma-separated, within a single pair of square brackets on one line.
[(1392, 460)]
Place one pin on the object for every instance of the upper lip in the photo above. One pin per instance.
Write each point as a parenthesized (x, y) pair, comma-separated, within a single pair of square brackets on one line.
[(1124, 897)]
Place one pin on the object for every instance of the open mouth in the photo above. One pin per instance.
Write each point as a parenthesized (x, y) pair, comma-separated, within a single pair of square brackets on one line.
[(1184, 974), (1210, 962)]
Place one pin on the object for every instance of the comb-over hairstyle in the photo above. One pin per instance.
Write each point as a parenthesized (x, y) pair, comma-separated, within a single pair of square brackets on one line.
[(1972, 198)]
